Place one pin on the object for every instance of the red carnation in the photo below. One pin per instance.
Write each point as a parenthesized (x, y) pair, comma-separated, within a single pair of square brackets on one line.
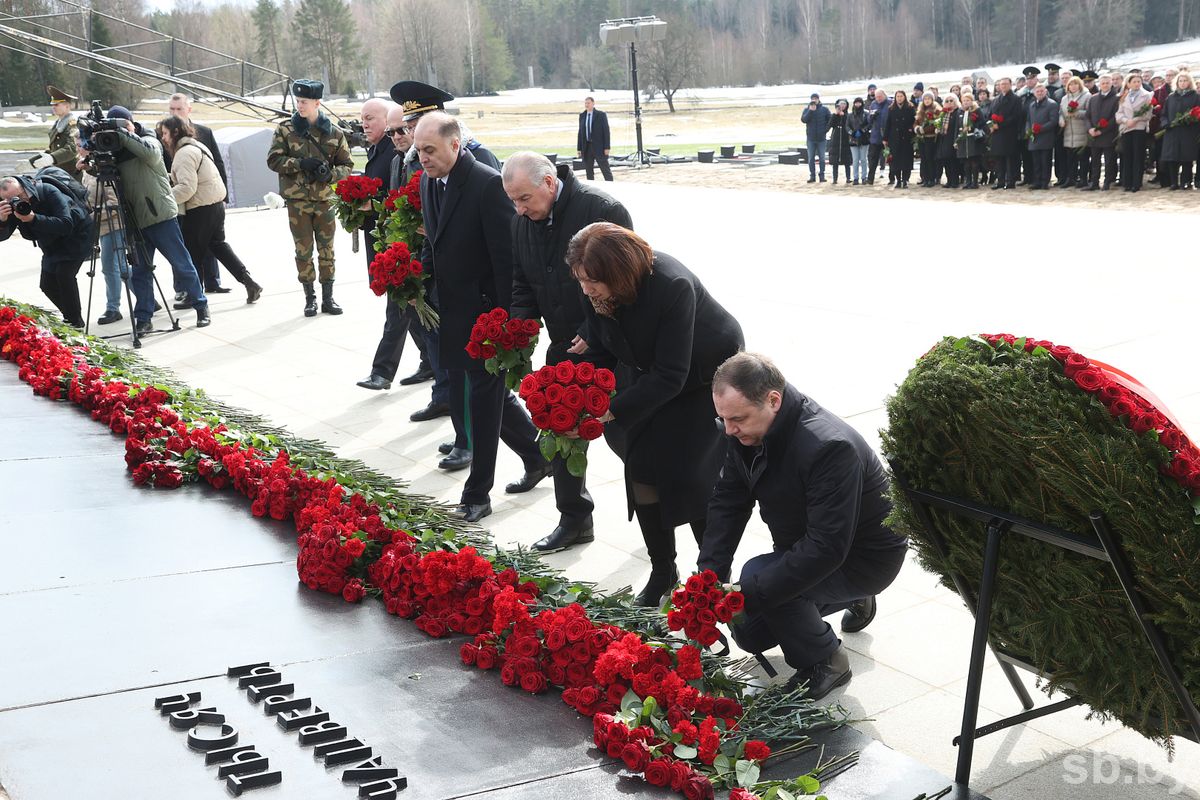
[(757, 751)]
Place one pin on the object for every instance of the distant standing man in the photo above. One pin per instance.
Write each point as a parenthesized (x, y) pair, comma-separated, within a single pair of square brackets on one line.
[(552, 206), (310, 154), (816, 119), (593, 141), (62, 151)]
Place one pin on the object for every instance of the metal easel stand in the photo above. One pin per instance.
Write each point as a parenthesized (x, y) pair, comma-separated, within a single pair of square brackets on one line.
[(997, 525)]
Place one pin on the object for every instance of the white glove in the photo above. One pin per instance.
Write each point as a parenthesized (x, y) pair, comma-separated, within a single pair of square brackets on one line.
[(273, 200), (42, 160)]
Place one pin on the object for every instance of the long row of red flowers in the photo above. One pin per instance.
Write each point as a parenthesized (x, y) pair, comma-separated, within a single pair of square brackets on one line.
[(1125, 399), (643, 698)]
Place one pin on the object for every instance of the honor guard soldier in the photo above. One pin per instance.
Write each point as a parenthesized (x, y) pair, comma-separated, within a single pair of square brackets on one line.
[(62, 151), (310, 154)]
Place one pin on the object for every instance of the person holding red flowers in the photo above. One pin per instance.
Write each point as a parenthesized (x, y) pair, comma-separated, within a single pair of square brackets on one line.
[(822, 493), (1133, 116), (1073, 118), (667, 335), (552, 206), (1102, 120), (1005, 145), (1181, 139), (1042, 125)]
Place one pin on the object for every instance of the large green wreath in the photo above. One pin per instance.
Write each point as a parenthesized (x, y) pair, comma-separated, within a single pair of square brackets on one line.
[(997, 421)]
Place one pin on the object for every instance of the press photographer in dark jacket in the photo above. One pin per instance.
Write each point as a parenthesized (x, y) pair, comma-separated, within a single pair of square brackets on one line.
[(552, 206), (61, 230), (821, 491)]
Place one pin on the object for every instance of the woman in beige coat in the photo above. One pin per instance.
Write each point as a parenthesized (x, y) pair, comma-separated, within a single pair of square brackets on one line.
[(1073, 110), (200, 195), (1133, 117)]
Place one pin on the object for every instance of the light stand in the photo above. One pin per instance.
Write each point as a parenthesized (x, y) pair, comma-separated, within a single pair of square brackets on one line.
[(631, 30)]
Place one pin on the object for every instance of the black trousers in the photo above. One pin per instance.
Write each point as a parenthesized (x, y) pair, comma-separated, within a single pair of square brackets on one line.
[(875, 156), (571, 497), (58, 283), (931, 169), (1169, 172), (1026, 163), (797, 626), (1133, 159), (203, 232), (1109, 154), (398, 324), (1040, 160), (591, 156), (1062, 165), (950, 166), (495, 416), (1008, 169)]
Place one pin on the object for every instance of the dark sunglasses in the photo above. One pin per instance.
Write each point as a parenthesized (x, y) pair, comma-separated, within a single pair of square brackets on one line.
[(393, 131)]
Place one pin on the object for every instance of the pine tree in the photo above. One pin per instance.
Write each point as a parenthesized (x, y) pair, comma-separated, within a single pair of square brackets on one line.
[(328, 39), (100, 87), (268, 22)]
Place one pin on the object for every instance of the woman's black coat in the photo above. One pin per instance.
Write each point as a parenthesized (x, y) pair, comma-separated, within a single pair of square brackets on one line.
[(839, 140), (900, 135), (668, 343), (1181, 143)]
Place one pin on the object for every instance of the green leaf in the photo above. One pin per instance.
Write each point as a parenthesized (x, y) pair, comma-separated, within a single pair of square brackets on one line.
[(548, 445), (649, 707), (685, 752), (723, 764), (784, 794), (807, 784), (577, 464), (1040, 351), (961, 342), (629, 699), (747, 773)]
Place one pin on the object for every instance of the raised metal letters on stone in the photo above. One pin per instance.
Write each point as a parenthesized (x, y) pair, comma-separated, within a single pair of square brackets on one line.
[(227, 738), (239, 783), (383, 790)]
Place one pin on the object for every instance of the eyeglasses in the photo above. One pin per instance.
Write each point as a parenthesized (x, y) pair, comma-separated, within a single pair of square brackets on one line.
[(403, 131)]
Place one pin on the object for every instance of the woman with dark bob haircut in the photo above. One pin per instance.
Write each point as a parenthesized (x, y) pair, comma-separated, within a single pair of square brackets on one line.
[(668, 336)]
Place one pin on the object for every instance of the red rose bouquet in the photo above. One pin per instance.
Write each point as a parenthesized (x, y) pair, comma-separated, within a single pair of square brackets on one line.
[(400, 217), (565, 399), (1181, 120), (997, 119), (350, 195), (504, 344), (396, 273), (700, 605)]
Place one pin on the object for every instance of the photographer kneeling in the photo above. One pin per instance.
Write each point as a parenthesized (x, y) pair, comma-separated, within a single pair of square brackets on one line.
[(150, 201), (60, 228)]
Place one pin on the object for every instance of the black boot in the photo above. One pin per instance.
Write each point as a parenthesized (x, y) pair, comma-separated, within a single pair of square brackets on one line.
[(310, 300), (253, 290), (660, 546), (327, 304)]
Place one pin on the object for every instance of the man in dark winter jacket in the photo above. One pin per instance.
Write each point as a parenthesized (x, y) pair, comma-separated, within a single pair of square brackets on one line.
[(816, 119), (821, 490), (61, 229), (552, 206)]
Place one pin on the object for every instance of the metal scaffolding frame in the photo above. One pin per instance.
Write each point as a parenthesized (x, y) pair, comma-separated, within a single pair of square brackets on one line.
[(65, 38)]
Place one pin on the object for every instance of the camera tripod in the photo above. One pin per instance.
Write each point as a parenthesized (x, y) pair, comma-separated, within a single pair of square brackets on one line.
[(116, 217)]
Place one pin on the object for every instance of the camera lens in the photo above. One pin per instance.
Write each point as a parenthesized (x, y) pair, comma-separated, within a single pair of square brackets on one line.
[(21, 206)]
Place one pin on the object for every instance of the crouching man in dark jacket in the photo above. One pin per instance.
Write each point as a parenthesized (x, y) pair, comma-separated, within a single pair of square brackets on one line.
[(61, 229), (821, 491)]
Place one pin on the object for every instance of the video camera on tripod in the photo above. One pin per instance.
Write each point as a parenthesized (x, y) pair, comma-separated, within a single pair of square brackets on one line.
[(100, 136), (355, 135)]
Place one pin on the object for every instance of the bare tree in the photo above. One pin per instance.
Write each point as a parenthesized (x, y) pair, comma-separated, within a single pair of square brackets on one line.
[(674, 62)]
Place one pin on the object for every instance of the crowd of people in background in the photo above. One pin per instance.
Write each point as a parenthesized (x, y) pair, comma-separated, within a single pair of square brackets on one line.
[(1081, 129)]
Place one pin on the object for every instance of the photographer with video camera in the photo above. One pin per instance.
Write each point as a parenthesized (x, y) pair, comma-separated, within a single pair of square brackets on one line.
[(149, 205), (59, 226)]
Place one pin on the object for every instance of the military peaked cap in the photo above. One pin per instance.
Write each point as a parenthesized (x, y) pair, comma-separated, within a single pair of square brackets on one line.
[(418, 98)]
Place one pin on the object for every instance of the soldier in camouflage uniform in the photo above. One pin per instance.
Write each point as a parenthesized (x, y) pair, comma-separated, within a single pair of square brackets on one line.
[(310, 154), (62, 151)]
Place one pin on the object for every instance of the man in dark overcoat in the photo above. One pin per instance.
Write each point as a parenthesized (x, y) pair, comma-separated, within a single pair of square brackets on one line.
[(1042, 117), (593, 141), (468, 247), (822, 492), (1006, 124), (1102, 122), (552, 206)]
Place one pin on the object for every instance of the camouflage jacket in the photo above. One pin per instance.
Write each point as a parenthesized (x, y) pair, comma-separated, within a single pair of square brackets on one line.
[(62, 144), (296, 139)]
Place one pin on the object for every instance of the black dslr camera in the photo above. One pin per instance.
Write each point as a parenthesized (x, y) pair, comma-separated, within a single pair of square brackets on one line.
[(355, 135), (20, 206), (100, 136)]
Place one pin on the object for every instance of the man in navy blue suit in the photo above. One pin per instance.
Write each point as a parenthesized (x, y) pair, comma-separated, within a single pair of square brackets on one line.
[(593, 142)]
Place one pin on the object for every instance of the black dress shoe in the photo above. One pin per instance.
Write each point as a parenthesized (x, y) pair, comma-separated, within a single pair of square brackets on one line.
[(145, 327), (824, 676), (859, 615), (431, 411), (530, 479), (473, 512), (458, 459), (109, 317), (218, 290), (561, 538), (183, 305), (203, 320), (375, 383), (420, 376), (445, 447)]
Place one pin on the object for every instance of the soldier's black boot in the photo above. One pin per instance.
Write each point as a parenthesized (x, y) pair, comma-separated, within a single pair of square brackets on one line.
[(328, 306), (310, 300), (660, 546)]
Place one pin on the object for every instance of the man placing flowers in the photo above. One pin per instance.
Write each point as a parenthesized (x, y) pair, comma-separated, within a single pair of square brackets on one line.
[(821, 490)]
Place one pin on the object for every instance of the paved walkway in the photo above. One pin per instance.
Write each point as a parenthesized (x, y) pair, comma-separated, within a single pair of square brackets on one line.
[(844, 293)]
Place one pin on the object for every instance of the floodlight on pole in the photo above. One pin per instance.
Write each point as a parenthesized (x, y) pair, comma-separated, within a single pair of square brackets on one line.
[(630, 31)]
